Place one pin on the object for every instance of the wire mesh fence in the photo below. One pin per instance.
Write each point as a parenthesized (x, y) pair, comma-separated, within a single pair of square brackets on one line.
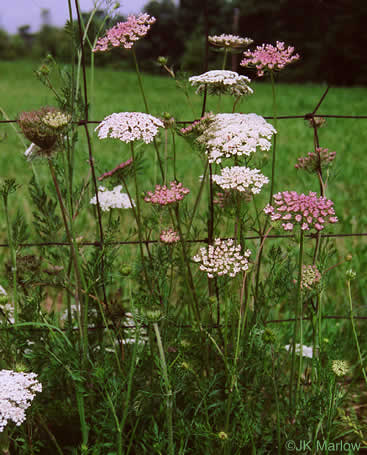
[(100, 243)]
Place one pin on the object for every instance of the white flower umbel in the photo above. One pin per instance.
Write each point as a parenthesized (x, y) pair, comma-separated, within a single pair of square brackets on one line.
[(129, 127), (241, 178), (17, 391), (236, 134), (222, 82), (229, 41), (306, 350), (113, 199), (222, 258), (2, 291)]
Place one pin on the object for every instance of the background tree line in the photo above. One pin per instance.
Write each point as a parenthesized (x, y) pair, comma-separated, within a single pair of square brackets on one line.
[(330, 36)]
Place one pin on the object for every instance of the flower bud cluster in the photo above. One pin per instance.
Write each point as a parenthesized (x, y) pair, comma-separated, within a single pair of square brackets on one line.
[(231, 135), (310, 276), (269, 58), (198, 126), (17, 391), (113, 199), (124, 34), (56, 120), (309, 212), (222, 258), (164, 195), (169, 236), (315, 160), (229, 41), (241, 178), (129, 127), (220, 82), (115, 171), (340, 367)]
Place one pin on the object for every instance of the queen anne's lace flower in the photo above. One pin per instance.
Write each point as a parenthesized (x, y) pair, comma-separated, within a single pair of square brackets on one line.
[(17, 391), (236, 134), (269, 58), (310, 212), (229, 41), (113, 199), (129, 127), (340, 367), (310, 276), (164, 195), (306, 350), (222, 258), (222, 82), (124, 34), (169, 236), (241, 178)]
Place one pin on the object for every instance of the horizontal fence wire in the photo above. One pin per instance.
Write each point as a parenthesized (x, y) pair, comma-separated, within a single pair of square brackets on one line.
[(204, 240)]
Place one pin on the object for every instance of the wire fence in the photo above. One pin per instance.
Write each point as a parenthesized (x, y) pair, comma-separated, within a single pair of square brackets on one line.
[(311, 116)]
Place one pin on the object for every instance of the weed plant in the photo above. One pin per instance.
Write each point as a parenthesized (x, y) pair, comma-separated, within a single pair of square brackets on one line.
[(208, 330)]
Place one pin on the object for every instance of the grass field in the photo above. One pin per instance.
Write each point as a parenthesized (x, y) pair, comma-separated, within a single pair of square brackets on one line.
[(116, 91)]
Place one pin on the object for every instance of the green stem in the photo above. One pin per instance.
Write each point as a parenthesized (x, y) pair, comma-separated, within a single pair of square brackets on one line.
[(274, 137), (140, 81), (191, 286), (13, 256), (169, 395), (196, 204), (138, 218), (355, 332), (298, 319)]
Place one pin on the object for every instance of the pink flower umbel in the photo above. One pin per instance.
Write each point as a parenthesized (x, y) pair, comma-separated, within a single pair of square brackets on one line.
[(124, 34), (269, 58), (164, 195), (169, 236), (309, 212)]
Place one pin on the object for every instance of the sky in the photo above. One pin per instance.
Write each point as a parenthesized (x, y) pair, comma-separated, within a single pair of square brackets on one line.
[(15, 13)]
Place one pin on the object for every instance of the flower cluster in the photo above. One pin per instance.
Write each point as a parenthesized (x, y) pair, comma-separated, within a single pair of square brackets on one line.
[(315, 160), (113, 199), (17, 391), (169, 236), (198, 126), (340, 367), (222, 258), (124, 34), (236, 134), (310, 276), (241, 178), (164, 195), (269, 58), (306, 350), (39, 126), (308, 211), (229, 41), (222, 82), (115, 171), (129, 127), (56, 120)]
